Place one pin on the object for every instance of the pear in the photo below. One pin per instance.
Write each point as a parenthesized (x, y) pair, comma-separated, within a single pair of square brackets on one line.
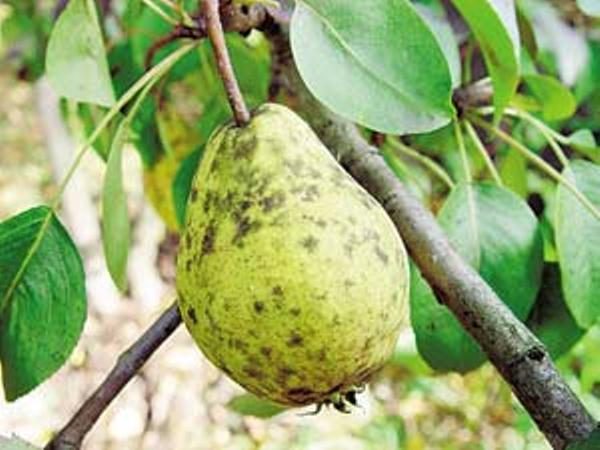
[(291, 278)]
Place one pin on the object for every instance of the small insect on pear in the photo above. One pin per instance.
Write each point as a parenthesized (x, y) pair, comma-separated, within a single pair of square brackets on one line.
[(341, 402)]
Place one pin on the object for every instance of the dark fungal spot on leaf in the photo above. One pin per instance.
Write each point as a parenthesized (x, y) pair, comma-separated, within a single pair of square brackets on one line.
[(295, 311), (295, 340), (310, 243), (259, 307), (284, 374), (191, 312), (381, 255)]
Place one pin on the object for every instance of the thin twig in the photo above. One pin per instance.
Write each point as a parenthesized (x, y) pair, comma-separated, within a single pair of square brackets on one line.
[(127, 366), (483, 152), (462, 150), (429, 163), (158, 11), (539, 163), (214, 28), (179, 32)]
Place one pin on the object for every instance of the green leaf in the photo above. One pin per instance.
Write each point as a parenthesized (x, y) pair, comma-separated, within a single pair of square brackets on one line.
[(513, 171), (554, 99), (75, 60), (494, 24), (495, 232), (183, 183), (384, 70), (591, 443), (590, 7), (15, 443), (441, 28), (250, 405), (43, 299), (578, 242), (115, 216), (584, 141), (550, 319)]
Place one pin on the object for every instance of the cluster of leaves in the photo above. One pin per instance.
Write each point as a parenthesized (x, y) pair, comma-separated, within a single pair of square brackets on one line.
[(402, 63)]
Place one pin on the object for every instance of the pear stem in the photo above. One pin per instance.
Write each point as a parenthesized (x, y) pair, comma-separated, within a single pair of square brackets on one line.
[(214, 28)]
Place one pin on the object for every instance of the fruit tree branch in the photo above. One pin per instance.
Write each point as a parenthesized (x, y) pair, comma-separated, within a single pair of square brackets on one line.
[(127, 366), (517, 354)]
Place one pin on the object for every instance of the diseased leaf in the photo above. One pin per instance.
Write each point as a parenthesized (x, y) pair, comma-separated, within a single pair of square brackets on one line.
[(42, 299), (494, 24), (495, 232), (384, 70), (578, 243), (550, 319), (75, 60)]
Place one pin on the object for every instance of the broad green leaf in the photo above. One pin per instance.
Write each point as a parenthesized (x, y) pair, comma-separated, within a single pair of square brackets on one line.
[(590, 7), (578, 243), (494, 24), (183, 183), (75, 60), (250, 405), (495, 232), (441, 28), (115, 215), (513, 171), (584, 141), (440, 338), (550, 319), (384, 70), (555, 100), (591, 443), (15, 443), (42, 299)]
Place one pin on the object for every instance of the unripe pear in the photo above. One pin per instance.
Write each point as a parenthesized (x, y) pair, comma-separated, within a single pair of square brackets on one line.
[(291, 278)]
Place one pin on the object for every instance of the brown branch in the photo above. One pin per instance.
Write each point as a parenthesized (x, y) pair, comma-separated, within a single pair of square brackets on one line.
[(233, 18), (179, 32), (214, 28), (127, 366), (517, 354)]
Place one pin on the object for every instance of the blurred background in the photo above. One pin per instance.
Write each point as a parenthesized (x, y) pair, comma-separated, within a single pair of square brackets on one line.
[(179, 400)]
